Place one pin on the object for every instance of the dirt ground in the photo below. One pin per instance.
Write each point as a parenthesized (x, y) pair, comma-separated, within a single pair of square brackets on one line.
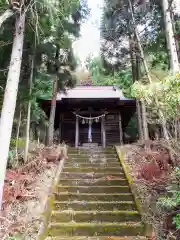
[(22, 218)]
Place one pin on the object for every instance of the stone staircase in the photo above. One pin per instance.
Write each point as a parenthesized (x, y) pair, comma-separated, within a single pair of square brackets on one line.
[(93, 199)]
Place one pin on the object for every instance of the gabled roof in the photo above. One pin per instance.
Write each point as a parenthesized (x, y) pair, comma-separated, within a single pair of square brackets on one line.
[(92, 92)]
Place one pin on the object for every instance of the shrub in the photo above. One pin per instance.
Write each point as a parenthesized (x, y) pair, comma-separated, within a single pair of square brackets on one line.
[(171, 203)]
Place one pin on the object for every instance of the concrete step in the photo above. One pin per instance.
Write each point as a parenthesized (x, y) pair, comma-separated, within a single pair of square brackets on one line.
[(92, 152), (93, 197), (95, 229), (94, 216), (93, 169), (91, 175), (92, 160), (92, 155), (94, 182), (97, 150), (90, 206), (93, 189), (98, 238), (93, 164)]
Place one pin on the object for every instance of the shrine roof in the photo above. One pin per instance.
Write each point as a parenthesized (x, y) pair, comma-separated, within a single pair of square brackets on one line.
[(93, 92)]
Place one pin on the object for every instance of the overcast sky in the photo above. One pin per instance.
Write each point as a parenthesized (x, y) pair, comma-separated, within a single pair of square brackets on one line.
[(89, 42)]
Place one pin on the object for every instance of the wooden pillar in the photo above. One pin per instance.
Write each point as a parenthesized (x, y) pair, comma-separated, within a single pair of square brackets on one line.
[(120, 129), (77, 132), (60, 128), (103, 132)]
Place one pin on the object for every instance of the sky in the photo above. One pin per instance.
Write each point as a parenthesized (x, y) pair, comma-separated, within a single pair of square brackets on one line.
[(89, 42)]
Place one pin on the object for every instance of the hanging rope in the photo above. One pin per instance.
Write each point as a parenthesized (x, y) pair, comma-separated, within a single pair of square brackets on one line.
[(90, 118)]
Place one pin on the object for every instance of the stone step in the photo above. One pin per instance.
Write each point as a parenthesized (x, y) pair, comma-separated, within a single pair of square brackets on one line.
[(98, 238), (93, 197), (92, 155), (93, 200), (92, 151), (92, 175), (90, 206), (95, 229), (93, 189), (92, 164), (94, 216), (97, 150), (94, 182), (92, 160), (93, 169)]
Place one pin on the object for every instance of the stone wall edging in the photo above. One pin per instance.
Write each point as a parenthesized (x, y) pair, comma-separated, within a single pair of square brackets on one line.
[(42, 234), (121, 154)]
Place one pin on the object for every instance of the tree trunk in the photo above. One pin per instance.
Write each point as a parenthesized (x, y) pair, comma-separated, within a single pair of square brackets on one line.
[(144, 120), (174, 30), (139, 120), (29, 112), (10, 96), (17, 135), (138, 60), (139, 43), (138, 102), (52, 113), (171, 44), (165, 131), (7, 14), (164, 125), (135, 77), (133, 57), (176, 129)]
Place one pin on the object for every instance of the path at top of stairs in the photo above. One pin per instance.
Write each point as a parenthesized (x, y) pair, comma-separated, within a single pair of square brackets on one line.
[(93, 199)]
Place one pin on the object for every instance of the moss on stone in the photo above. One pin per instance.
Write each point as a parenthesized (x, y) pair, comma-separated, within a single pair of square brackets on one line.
[(95, 229), (93, 189), (93, 197), (121, 155)]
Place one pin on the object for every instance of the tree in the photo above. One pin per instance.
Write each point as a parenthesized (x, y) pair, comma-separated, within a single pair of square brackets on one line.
[(40, 16), (121, 23), (57, 66), (10, 95), (29, 107), (173, 55)]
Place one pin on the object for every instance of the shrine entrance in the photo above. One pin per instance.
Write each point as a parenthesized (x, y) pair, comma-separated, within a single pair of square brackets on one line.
[(90, 129), (90, 133)]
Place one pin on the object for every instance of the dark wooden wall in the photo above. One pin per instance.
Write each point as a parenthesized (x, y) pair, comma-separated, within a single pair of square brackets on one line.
[(68, 123), (112, 128)]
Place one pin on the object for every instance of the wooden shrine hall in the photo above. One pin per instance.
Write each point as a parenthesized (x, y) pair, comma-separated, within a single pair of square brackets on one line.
[(91, 114)]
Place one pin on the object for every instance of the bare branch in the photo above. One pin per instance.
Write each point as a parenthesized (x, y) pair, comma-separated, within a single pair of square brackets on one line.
[(7, 14)]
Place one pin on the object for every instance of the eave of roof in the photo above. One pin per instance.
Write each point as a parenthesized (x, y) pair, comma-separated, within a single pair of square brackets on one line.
[(93, 92)]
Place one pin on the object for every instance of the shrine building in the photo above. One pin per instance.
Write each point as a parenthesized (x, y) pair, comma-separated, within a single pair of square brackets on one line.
[(92, 114)]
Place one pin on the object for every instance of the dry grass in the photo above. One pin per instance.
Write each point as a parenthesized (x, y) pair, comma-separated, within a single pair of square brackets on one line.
[(148, 191), (21, 216)]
